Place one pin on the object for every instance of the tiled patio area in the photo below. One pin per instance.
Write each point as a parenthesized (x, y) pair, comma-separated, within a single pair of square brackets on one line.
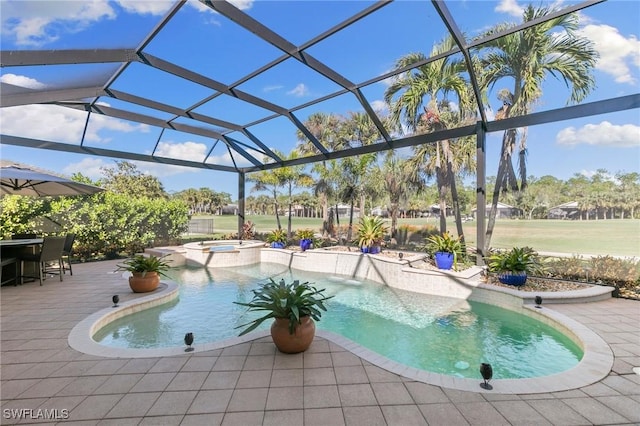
[(252, 384)]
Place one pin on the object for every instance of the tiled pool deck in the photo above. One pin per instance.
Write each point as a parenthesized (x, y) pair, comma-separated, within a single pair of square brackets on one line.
[(250, 383)]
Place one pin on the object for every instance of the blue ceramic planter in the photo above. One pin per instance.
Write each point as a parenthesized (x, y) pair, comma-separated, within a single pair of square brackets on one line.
[(306, 244), (277, 245), (444, 260), (370, 249), (513, 279)]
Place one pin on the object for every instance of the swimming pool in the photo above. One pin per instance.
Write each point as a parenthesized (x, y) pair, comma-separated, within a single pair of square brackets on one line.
[(437, 334)]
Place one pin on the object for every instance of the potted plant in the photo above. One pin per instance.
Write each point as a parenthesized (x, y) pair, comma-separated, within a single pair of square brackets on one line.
[(294, 308), (370, 233), (445, 249), (145, 272), (277, 238), (306, 238), (512, 266)]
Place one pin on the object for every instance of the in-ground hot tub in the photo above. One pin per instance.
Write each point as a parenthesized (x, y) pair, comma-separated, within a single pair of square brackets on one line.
[(222, 253)]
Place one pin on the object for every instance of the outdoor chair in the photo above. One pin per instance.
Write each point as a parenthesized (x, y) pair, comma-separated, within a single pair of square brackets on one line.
[(50, 252), (66, 253), (9, 261)]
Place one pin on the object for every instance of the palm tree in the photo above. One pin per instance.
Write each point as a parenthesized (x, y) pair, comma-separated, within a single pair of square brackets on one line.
[(266, 180), (400, 182), (421, 107), (527, 57), (324, 127), (291, 177)]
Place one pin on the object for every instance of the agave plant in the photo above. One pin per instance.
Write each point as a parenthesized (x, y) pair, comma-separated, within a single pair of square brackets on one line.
[(370, 232), (280, 300)]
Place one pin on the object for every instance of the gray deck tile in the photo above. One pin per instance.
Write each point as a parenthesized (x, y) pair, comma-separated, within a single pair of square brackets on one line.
[(285, 398), (161, 420), (370, 416), (594, 411), (184, 381), (133, 405), (319, 376), (172, 403), (254, 399), (221, 380), (391, 393), (351, 374), (291, 377), (481, 413), (356, 395), (323, 417), (254, 379), (199, 363), (211, 401), (283, 418), (248, 418), (153, 382), (423, 393), (214, 419), (520, 413), (623, 405), (321, 397), (557, 412), (405, 415), (443, 414), (95, 407), (120, 383)]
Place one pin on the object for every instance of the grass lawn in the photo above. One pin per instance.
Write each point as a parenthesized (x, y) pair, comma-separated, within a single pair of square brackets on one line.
[(614, 237)]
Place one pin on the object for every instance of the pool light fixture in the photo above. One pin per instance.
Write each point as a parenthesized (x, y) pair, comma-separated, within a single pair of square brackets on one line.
[(115, 299), (538, 301), (487, 373), (188, 340)]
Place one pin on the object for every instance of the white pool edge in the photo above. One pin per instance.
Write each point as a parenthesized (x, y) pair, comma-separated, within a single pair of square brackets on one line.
[(593, 367)]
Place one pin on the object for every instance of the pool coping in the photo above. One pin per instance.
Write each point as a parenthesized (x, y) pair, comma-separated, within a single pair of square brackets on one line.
[(595, 364)]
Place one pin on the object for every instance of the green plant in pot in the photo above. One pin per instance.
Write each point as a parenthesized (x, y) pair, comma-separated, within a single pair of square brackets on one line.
[(145, 271), (513, 266), (370, 234), (306, 238), (293, 306), (445, 249), (277, 238)]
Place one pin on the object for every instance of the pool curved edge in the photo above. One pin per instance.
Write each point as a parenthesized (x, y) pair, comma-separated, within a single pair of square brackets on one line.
[(595, 364)]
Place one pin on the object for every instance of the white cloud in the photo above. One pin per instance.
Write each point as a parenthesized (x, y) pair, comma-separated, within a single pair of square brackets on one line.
[(299, 91), (272, 88), (603, 134), (35, 23), (55, 123), (619, 56), (89, 167), (156, 7), (510, 7), (191, 151), (22, 81), (380, 105), (225, 159)]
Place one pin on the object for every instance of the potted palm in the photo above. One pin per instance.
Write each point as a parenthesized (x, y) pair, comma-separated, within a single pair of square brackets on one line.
[(512, 266), (370, 233), (445, 249), (277, 238), (145, 272), (306, 238), (294, 308)]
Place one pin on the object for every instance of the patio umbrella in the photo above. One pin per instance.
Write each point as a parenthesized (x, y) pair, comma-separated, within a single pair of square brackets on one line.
[(16, 180)]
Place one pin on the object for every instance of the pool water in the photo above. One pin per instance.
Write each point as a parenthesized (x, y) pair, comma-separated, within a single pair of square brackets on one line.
[(436, 334)]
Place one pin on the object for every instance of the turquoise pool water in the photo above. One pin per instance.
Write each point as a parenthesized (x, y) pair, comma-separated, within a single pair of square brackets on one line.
[(437, 334)]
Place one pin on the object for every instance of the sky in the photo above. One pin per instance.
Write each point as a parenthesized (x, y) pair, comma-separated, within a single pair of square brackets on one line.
[(205, 42)]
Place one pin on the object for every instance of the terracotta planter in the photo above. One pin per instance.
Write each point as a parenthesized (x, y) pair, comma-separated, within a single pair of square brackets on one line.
[(293, 343), (140, 284)]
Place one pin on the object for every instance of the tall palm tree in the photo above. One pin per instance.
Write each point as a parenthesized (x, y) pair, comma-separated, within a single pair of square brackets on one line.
[(527, 57), (422, 92), (324, 127), (291, 177), (266, 180), (400, 182)]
